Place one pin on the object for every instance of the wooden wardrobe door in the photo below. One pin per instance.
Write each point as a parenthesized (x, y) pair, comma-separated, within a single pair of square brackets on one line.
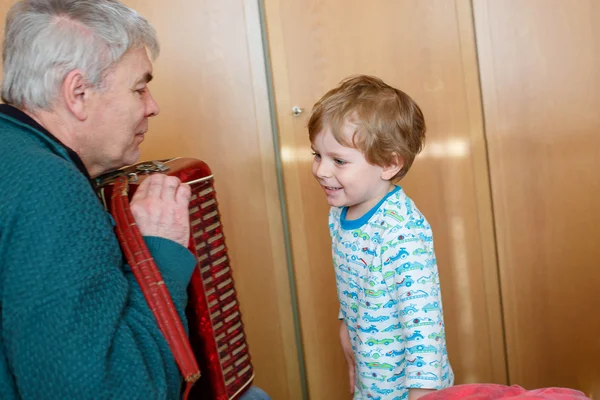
[(540, 70)]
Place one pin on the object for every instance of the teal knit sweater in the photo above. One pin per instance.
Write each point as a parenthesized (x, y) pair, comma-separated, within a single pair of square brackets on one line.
[(73, 321)]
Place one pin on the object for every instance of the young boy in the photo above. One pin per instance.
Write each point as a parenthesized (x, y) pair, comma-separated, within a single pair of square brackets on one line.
[(365, 135)]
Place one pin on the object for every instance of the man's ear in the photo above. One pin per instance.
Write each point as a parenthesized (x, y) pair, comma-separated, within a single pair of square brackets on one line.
[(389, 171), (76, 93)]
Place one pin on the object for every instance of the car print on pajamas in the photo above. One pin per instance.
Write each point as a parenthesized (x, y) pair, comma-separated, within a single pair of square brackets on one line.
[(370, 306), (401, 255), (426, 279), (425, 238), (399, 338), (407, 281), (391, 303), (395, 353), (421, 348), (416, 336), (373, 375), (416, 224), (374, 268), (351, 295), (369, 329), (395, 377), (374, 293), (416, 362), (369, 252), (394, 214), (380, 224), (420, 252), (417, 322), (413, 295), (388, 275), (347, 269), (394, 327), (378, 365), (348, 245), (435, 306), (423, 376), (409, 267), (436, 336), (376, 238), (375, 389), (409, 310), (373, 341), (369, 318), (356, 260), (370, 354), (339, 253), (360, 234)]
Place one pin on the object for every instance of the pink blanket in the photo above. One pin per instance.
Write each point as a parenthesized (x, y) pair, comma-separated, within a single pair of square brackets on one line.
[(492, 391)]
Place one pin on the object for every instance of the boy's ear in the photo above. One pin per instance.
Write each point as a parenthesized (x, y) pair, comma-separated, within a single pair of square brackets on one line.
[(389, 171)]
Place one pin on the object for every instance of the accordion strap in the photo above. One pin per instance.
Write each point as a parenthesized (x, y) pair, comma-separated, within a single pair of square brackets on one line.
[(151, 282)]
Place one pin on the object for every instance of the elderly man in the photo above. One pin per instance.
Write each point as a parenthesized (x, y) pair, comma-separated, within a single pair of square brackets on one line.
[(74, 323)]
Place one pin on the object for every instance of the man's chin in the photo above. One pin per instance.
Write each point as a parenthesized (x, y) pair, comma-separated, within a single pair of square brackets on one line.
[(131, 158)]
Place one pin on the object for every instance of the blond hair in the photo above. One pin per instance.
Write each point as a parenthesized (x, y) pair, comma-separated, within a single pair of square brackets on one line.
[(389, 123)]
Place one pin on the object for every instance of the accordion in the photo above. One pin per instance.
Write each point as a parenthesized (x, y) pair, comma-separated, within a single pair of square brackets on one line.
[(216, 357)]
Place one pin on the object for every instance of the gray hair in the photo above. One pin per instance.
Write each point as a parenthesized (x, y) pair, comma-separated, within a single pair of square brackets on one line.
[(46, 39)]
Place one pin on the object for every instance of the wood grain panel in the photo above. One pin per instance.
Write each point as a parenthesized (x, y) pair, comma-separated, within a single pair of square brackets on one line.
[(539, 69)]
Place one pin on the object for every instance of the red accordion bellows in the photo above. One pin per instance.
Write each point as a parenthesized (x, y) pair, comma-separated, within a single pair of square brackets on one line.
[(216, 330)]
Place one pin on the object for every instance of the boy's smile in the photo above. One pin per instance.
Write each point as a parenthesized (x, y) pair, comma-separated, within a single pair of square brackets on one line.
[(346, 177)]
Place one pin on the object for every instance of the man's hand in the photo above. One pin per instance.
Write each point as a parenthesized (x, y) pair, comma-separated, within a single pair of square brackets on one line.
[(160, 208), (348, 353)]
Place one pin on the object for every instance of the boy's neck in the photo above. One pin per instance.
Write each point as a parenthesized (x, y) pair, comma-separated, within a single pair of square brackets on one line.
[(356, 212)]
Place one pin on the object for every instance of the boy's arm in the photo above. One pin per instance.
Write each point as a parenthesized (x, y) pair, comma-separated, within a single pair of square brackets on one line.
[(410, 269)]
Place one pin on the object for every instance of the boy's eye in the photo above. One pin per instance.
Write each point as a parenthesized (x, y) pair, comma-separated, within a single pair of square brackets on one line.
[(339, 162), (316, 155)]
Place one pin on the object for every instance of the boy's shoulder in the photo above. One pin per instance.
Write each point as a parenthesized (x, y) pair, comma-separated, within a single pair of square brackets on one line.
[(401, 211)]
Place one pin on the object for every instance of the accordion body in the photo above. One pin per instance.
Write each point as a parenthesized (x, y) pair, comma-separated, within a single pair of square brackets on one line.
[(216, 330)]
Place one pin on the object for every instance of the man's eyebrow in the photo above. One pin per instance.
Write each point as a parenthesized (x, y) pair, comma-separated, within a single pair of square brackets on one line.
[(146, 78)]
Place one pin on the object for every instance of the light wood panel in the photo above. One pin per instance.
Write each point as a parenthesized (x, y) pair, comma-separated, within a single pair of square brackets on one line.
[(210, 83), (427, 49), (540, 73)]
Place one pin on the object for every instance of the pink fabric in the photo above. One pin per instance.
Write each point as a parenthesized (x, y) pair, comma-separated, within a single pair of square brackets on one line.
[(492, 391)]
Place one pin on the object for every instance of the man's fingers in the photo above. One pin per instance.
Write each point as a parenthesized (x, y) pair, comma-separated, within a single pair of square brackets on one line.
[(183, 194), (155, 185), (142, 190)]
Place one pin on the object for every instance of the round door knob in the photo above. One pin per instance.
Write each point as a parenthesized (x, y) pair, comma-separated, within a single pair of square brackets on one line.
[(297, 110)]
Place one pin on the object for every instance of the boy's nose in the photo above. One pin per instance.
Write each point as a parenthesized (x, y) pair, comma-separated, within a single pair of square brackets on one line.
[(323, 171)]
